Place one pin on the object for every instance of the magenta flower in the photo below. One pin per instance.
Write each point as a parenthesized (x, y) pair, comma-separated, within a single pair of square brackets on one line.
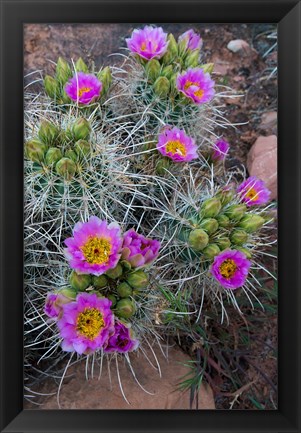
[(253, 192), (220, 150), (83, 88), (94, 247), (122, 340), (138, 250), (196, 85), (178, 146), (52, 308), (149, 42), (86, 323), (231, 268), (193, 40)]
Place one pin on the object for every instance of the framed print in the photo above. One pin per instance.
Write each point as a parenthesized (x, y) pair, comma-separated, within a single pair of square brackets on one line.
[(150, 217)]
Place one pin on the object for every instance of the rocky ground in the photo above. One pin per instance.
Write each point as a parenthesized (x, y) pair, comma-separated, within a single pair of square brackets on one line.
[(245, 58)]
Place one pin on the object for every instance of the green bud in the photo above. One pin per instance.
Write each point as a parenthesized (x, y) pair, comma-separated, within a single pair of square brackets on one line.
[(172, 50), (245, 251), (105, 77), (63, 71), (81, 66), (126, 265), (225, 196), (211, 251), (223, 243), (35, 150), (67, 292), (66, 168), (125, 308), (182, 47), (251, 223), (223, 220), (82, 148), (210, 208), (113, 299), (210, 225), (236, 211), (79, 282), (239, 237), (152, 69), (81, 129), (208, 67), (48, 132), (167, 71), (192, 59), (53, 155), (51, 87), (124, 290), (138, 279), (115, 272), (71, 154), (198, 239), (161, 87), (162, 165), (100, 281)]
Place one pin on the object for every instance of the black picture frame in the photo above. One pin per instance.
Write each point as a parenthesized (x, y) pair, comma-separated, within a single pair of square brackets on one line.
[(13, 15)]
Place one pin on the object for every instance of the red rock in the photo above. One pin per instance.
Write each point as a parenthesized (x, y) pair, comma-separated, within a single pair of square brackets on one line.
[(269, 122), (262, 162), (79, 393)]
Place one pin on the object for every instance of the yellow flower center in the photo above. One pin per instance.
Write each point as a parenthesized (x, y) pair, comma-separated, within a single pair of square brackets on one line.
[(89, 323), (96, 250), (176, 147), (228, 268), (143, 46), (252, 194), (83, 90), (198, 93)]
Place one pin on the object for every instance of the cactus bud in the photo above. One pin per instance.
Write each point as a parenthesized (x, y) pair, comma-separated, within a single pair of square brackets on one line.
[(68, 293), (161, 87), (223, 243), (100, 281), (81, 129), (245, 251), (192, 59), (152, 69), (105, 77), (198, 239), (167, 71), (124, 290), (138, 279), (71, 154), (251, 223), (125, 308), (208, 67), (82, 148), (126, 265), (113, 299), (211, 251), (79, 282), (225, 196), (162, 165), (66, 168), (81, 66), (210, 225), (223, 220), (48, 132), (63, 71), (35, 150), (172, 50), (51, 87), (115, 272), (236, 211), (53, 155), (210, 208), (239, 237)]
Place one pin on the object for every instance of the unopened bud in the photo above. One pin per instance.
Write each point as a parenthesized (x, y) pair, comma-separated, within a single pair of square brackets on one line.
[(48, 132), (125, 308), (245, 251), (63, 71), (66, 168), (81, 129), (208, 67), (115, 272), (223, 220), (67, 293), (239, 237), (105, 76), (211, 251), (126, 265), (113, 299), (162, 165), (192, 59), (138, 279), (53, 155), (100, 281), (71, 154), (225, 196), (35, 150), (152, 69), (124, 290), (198, 239), (167, 71), (79, 282), (81, 66), (210, 208), (223, 243), (172, 50), (161, 87), (51, 86), (210, 225), (82, 148), (251, 223), (236, 211)]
